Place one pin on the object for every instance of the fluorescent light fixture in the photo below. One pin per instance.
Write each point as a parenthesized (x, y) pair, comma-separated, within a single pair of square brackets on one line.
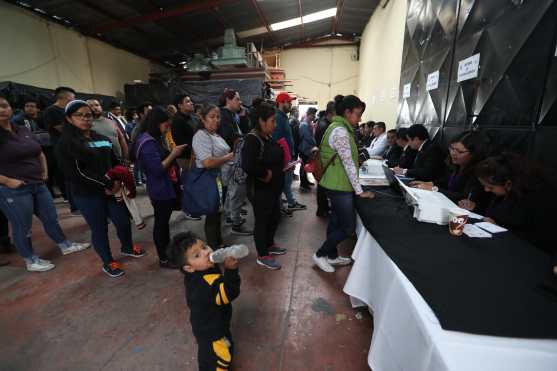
[(313, 17)]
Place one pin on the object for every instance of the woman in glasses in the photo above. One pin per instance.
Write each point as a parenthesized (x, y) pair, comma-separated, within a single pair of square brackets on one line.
[(23, 192), (459, 182), (88, 157)]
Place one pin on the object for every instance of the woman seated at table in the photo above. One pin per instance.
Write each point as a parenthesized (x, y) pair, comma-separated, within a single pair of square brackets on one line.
[(459, 182), (524, 199)]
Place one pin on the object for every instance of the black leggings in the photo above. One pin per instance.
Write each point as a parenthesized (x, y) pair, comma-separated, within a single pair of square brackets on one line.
[(161, 229), (213, 230), (266, 210)]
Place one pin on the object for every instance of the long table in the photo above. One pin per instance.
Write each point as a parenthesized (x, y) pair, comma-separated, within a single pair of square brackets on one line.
[(449, 303)]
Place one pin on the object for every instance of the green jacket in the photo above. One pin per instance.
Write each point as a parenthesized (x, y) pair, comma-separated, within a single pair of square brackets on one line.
[(335, 177)]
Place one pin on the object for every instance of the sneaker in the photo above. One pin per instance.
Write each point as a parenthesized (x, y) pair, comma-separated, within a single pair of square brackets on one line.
[(277, 250), (297, 206), (75, 247), (286, 212), (268, 262), (190, 217), (243, 212), (113, 269), (39, 265), (137, 252), (340, 260), (75, 213), (241, 230), (323, 264), (283, 200), (167, 264)]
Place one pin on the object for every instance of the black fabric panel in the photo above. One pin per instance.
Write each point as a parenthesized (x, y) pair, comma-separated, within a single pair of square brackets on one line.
[(480, 286)]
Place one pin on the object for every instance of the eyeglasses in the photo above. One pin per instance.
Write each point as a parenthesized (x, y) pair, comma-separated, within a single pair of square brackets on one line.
[(83, 116), (454, 150)]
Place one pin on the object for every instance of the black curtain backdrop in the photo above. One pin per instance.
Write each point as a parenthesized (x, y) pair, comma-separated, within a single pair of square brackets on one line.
[(514, 97)]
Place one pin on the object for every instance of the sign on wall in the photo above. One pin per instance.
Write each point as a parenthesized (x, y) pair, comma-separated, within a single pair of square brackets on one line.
[(432, 81), (406, 90), (468, 68)]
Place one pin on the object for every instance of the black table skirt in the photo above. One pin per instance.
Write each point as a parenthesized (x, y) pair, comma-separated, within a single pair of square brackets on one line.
[(481, 286)]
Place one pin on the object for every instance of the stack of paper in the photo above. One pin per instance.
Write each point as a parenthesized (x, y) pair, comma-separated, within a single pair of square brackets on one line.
[(492, 228), (372, 173), (474, 232)]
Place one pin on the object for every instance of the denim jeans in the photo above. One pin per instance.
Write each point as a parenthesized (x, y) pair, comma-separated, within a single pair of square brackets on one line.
[(234, 200), (342, 222), (19, 205), (96, 210), (287, 189)]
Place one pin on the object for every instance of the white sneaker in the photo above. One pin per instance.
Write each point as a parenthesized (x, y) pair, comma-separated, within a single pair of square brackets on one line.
[(75, 247), (340, 260), (39, 265), (323, 264)]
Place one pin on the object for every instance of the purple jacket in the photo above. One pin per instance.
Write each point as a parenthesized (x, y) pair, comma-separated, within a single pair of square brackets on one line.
[(150, 155)]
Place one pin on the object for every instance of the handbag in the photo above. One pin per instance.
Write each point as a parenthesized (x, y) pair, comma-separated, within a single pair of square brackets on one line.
[(200, 193), (317, 168)]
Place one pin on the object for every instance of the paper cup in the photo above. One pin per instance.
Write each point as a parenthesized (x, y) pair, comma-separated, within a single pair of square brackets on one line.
[(457, 220)]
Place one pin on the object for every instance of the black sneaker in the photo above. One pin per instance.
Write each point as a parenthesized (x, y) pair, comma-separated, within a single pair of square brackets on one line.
[(113, 269), (277, 250), (297, 206), (240, 230), (286, 212), (137, 252), (167, 264), (243, 212), (268, 262)]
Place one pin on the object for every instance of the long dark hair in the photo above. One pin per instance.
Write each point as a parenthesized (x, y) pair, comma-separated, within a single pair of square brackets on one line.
[(227, 95), (153, 121), (474, 142), (524, 176)]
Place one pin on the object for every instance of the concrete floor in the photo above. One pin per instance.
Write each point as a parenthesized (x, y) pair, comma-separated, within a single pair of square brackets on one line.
[(77, 318)]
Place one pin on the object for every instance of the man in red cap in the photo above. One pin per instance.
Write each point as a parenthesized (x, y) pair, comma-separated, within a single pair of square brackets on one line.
[(283, 130)]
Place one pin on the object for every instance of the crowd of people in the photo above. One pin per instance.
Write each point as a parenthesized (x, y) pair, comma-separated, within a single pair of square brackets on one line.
[(95, 160)]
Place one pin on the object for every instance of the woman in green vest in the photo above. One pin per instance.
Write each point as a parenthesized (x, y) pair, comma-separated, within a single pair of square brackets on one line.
[(339, 156)]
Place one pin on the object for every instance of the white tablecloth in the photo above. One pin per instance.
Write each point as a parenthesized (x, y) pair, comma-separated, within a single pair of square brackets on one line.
[(407, 335)]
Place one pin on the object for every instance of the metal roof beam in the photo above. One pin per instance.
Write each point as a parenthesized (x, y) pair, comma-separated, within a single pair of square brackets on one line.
[(263, 20), (337, 18), (158, 15), (302, 32)]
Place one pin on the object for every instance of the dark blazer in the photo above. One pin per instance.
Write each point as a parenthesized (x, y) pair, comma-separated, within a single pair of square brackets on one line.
[(428, 164), (459, 187), (393, 155), (407, 157)]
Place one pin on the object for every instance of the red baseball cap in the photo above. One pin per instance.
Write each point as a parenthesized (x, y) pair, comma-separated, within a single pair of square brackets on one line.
[(284, 97)]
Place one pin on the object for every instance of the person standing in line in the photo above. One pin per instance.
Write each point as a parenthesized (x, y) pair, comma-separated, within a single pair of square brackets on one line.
[(283, 130), (88, 157), (263, 163), (324, 121), (212, 152), (162, 171), (339, 154), (108, 128), (307, 144), (23, 172)]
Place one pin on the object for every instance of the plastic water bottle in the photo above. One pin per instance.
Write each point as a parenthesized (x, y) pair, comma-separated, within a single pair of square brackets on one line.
[(235, 251)]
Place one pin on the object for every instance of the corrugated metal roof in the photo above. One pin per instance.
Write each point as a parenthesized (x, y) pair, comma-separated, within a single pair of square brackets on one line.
[(167, 30)]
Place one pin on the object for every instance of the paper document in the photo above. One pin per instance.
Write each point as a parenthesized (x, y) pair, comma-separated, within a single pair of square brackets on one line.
[(493, 228), (474, 232), (475, 216)]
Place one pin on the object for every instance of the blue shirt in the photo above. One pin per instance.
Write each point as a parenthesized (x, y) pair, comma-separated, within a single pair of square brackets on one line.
[(283, 130)]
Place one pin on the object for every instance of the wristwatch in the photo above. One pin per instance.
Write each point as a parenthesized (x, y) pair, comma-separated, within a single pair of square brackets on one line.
[(435, 189)]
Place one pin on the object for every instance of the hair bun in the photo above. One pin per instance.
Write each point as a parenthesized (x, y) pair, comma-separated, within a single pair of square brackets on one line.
[(339, 98)]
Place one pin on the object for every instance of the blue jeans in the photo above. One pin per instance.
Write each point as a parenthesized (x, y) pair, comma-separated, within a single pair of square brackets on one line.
[(97, 209), (342, 222), (19, 205), (287, 188)]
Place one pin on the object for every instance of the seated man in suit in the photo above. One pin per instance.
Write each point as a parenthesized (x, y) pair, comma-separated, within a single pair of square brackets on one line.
[(394, 151), (428, 164), (407, 154)]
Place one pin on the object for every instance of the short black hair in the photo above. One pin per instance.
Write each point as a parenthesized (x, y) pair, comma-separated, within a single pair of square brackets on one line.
[(370, 124), (141, 108), (263, 112), (28, 99), (381, 125), (392, 131), (114, 104), (311, 111), (180, 98), (402, 133), (59, 91), (178, 247), (330, 107), (418, 131)]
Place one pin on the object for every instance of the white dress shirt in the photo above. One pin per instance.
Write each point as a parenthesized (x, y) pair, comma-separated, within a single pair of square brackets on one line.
[(378, 146)]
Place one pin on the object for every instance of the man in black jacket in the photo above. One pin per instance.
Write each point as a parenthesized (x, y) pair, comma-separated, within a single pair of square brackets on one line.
[(428, 164), (325, 120), (184, 124), (394, 151)]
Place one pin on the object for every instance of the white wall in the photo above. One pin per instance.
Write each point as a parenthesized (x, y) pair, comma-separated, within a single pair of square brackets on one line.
[(36, 52), (321, 73), (380, 62)]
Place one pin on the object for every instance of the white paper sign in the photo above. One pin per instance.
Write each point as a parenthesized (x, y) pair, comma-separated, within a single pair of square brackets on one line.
[(556, 50), (468, 68), (432, 81), (406, 90)]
